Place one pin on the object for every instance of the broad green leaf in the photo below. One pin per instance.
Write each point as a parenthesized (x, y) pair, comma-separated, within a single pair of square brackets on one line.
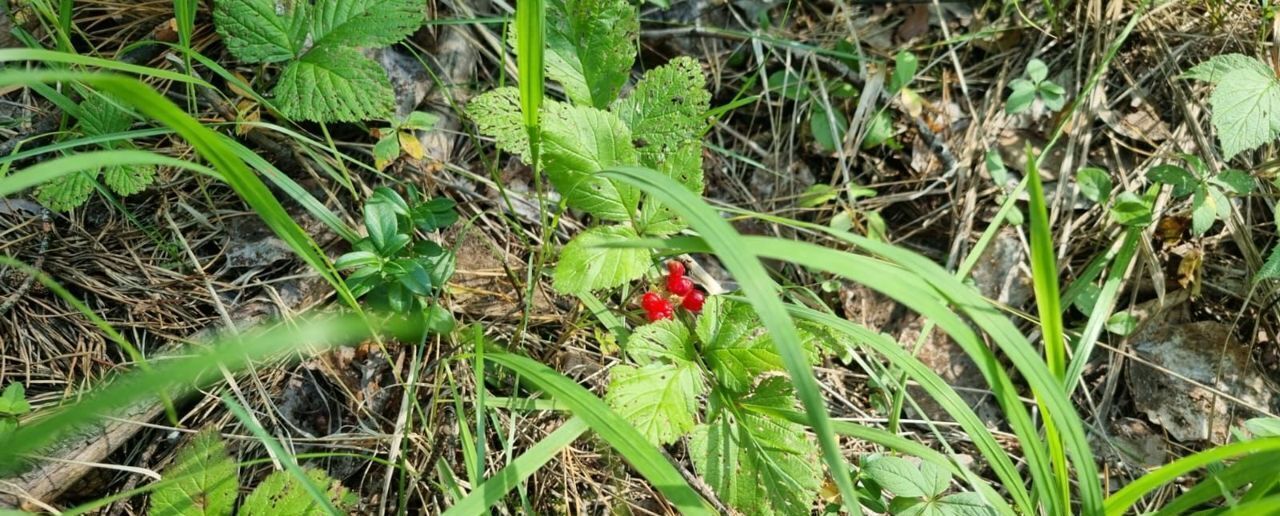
[(1238, 181), (756, 463), (435, 214), (683, 165), (420, 121), (1122, 323), (734, 345), (1182, 181), (828, 127), (386, 150), (68, 191), (497, 114), (659, 400), (263, 31), (1054, 96), (282, 494), (128, 180), (1263, 426), (995, 167), (1270, 268), (334, 83), (1221, 204), (205, 481), (14, 401), (1094, 184), (1203, 212), (904, 70), (879, 131), (591, 47), (904, 478), (1037, 71), (363, 23), (1131, 210), (666, 111), (664, 341), (416, 279), (1023, 94), (380, 222), (788, 84), (959, 504), (1215, 68), (585, 265), (100, 115), (577, 143), (1246, 110), (356, 259)]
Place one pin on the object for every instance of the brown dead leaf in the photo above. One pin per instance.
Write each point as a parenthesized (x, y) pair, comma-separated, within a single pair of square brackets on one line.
[(1172, 229), (915, 24), (1189, 271)]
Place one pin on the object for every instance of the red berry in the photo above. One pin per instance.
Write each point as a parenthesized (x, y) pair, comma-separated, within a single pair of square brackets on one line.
[(651, 301), (693, 301), (658, 315), (679, 285), (675, 268)]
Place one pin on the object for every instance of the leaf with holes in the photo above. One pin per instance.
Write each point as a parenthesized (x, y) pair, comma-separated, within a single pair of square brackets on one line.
[(659, 400), (585, 265), (578, 142), (591, 47)]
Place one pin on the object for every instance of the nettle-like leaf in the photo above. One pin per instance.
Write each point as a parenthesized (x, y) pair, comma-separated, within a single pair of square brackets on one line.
[(67, 192), (666, 110), (756, 463), (734, 344), (100, 115), (1245, 101), (591, 47), (326, 78), (497, 114), (283, 494), (205, 481), (659, 398), (578, 142), (585, 265)]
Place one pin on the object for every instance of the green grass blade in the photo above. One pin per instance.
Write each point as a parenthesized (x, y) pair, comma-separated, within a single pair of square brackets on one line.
[(1121, 501), (531, 21), (277, 451), (643, 456), (519, 470), (36, 54), (46, 171), (1102, 307), (1255, 469), (761, 291)]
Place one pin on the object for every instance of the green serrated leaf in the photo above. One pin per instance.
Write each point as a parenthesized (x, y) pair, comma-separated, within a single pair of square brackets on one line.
[(591, 47), (733, 345), (1131, 210), (1270, 268), (1246, 110), (683, 165), (663, 341), (1095, 184), (205, 481), (666, 110), (578, 142), (659, 400), (282, 494), (965, 504), (497, 114), (101, 115), (585, 266), (67, 192), (334, 83), (14, 400), (1215, 68), (364, 23), (263, 31), (904, 478), (128, 180), (756, 463)]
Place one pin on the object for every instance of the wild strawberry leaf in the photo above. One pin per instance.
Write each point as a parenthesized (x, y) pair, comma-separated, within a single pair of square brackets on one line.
[(658, 399), (128, 180), (585, 265), (578, 142), (754, 462), (205, 481), (283, 494), (591, 47)]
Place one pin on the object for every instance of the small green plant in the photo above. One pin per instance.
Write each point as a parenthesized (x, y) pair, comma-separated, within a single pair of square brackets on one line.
[(394, 269), (918, 489), (1209, 192), (13, 403), (204, 480), (1036, 84), (399, 137), (325, 77), (1245, 101), (99, 115)]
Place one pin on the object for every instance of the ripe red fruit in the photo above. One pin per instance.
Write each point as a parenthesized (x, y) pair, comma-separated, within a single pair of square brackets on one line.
[(675, 268), (658, 315), (693, 302), (679, 285), (651, 301)]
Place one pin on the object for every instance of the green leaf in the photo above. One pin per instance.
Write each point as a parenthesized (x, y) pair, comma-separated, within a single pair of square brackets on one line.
[(356, 259), (828, 127), (282, 494), (1246, 110), (67, 192), (734, 345), (1263, 427), (497, 114), (262, 31), (364, 23), (666, 111), (1203, 212), (14, 400), (387, 149), (662, 341), (904, 70), (1122, 323), (995, 167), (420, 121), (788, 84), (1215, 68), (1131, 210), (100, 115), (755, 463), (591, 45), (205, 481), (440, 321), (416, 279), (903, 478), (683, 165), (1237, 181), (333, 83), (962, 504), (1182, 181), (879, 130), (435, 214), (659, 400), (1270, 268), (1095, 184), (380, 222), (1052, 95), (584, 266), (128, 180), (1023, 94), (577, 143), (1037, 71)]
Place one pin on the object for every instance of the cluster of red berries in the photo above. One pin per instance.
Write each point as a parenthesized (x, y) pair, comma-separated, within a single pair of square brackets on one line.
[(678, 285)]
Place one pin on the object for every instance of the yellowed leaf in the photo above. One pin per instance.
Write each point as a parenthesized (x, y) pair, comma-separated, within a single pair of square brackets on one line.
[(410, 145)]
